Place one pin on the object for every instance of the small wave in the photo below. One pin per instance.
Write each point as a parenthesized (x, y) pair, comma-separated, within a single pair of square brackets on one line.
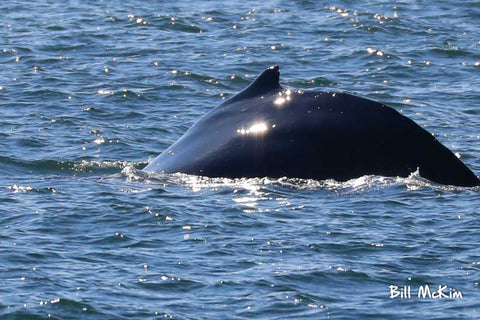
[(361, 184), (91, 165), (49, 308), (451, 52), (313, 83), (23, 189), (54, 166), (124, 94), (166, 23), (169, 283), (198, 79)]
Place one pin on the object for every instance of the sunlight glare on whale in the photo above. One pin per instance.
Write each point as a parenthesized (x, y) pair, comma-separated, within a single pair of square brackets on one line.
[(281, 99), (256, 128)]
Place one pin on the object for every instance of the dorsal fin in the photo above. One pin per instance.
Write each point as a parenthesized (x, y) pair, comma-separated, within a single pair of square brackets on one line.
[(269, 80)]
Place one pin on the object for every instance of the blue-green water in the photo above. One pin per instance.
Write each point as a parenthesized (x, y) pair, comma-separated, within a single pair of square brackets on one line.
[(90, 91)]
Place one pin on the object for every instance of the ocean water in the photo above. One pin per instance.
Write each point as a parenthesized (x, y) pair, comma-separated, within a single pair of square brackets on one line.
[(90, 91)]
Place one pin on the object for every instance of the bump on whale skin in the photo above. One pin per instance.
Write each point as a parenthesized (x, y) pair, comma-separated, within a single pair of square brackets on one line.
[(270, 131)]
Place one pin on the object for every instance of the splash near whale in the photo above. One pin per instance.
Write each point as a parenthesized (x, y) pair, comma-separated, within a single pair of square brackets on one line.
[(270, 131)]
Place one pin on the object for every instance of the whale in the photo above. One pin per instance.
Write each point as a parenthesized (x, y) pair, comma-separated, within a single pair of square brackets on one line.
[(268, 130)]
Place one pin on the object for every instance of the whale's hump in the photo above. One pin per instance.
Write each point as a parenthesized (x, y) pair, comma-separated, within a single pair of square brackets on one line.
[(315, 136), (268, 81)]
